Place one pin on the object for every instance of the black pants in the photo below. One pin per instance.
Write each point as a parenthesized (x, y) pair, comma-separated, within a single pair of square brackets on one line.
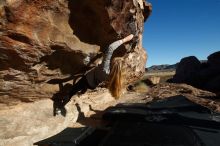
[(82, 85), (60, 102)]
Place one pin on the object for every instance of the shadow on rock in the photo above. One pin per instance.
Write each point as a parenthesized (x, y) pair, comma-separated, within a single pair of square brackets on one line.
[(59, 100), (174, 121)]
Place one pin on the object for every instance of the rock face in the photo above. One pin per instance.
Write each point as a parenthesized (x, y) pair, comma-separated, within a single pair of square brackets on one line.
[(213, 59), (186, 70), (205, 75), (42, 40), (44, 43)]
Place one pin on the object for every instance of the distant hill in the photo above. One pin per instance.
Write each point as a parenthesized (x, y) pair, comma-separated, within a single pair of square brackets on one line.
[(163, 67), (166, 67)]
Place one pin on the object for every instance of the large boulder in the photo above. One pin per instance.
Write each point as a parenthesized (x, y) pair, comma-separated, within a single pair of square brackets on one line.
[(214, 59), (212, 73), (203, 75), (213, 84), (43, 40), (44, 43), (187, 70)]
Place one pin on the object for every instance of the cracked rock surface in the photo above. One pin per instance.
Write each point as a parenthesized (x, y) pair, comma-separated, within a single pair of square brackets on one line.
[(43, 40)]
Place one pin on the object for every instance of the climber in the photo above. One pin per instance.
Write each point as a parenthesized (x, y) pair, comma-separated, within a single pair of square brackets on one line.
[(102, 73)]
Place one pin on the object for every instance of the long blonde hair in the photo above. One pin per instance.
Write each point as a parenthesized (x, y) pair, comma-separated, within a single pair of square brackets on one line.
[(116, 78)]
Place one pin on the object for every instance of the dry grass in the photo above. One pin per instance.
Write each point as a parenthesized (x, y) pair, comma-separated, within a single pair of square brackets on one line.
[(164, 75), (143, 85), (160, 73)]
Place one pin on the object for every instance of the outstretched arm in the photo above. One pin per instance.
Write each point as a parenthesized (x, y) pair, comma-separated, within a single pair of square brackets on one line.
[(112, 47)]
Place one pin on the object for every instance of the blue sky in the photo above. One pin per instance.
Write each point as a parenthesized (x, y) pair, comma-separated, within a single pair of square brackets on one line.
[(180, 28)]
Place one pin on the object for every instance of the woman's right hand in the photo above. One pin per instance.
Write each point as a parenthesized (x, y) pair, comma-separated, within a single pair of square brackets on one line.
[(128, 38)]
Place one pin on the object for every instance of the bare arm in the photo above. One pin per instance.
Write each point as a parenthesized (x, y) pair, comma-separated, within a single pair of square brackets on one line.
[(112, 47)]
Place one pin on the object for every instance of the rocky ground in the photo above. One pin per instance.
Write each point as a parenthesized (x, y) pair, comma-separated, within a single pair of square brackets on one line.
[(25, 124), (159, 91)]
